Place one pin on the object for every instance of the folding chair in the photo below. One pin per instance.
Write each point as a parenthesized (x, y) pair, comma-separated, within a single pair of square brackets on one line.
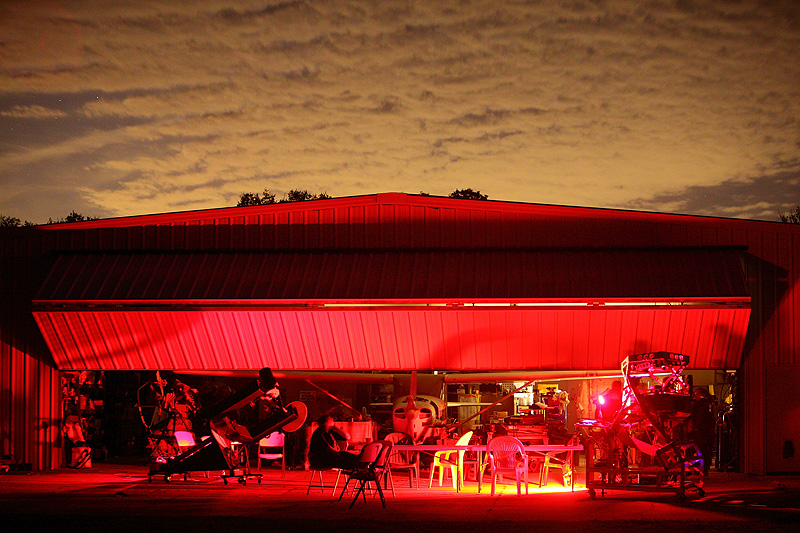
[(371, 466), (268, 449)]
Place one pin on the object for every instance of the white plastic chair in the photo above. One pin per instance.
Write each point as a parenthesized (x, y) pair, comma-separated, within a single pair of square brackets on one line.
[(454, 459), (505, 455), (276, 439)]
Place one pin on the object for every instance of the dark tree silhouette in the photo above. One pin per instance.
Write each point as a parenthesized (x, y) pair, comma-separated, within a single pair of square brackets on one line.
[(247, 199), (9, 222), (295, 195), (468, 194), (74, 216), (464, 194), (792, 217)]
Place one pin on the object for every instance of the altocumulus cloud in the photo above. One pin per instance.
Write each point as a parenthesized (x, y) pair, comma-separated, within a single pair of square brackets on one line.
[(120, 108)]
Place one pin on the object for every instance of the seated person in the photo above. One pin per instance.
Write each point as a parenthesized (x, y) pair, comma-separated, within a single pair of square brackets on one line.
[(323, 451)]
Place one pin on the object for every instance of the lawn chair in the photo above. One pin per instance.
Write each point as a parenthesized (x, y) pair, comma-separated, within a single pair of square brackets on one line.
[(505, 455)]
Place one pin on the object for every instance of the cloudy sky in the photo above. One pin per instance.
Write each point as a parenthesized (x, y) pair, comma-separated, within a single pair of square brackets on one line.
[(132, 107)]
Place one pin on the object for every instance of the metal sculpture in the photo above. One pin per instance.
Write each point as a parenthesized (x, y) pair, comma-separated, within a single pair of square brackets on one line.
[(644, 445)]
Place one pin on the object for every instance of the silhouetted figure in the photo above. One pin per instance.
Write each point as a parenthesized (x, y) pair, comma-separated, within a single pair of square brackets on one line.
[(702, 426), (323, 451), (609, 402)]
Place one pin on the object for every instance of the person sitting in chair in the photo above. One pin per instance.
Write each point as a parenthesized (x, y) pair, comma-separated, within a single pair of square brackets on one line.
[(323, 451)]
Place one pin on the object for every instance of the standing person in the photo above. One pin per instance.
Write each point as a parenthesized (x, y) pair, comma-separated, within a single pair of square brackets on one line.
[(702, 426), (609, 402), (323, 451)]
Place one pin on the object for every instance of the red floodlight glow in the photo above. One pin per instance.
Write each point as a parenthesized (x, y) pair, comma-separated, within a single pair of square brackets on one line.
[(600, 399)]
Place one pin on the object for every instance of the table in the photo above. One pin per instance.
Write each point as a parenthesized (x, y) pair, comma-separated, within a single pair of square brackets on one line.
[(538, 449)]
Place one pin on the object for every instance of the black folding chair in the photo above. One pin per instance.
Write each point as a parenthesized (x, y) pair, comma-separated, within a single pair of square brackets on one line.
[(372, 464)]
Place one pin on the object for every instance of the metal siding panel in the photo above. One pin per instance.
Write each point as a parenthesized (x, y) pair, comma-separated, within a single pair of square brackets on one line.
[(387, 336), (785, 310), (707, 340), (436, 338), (448, 228), (495, 351), (271, 340), (170, 340), (630, 342), (432, 228), (359, 342), (311, 342), (96, 342), (417, 227), (126, 324), (342, 344), (151, 336), (45, 323), (794, 301), (469, 337), (336, 341), (450, 349), (372, 234), (255, 338), (188, 349), (403, 338), (419, 343), (372, 343), (217, 321), (385, 340), (547, 339), (582, 344), (72, 345), (462, 276), (644, 335), (112, 337)]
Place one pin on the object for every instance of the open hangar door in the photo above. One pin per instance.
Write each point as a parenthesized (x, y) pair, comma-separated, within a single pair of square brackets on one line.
[(450, 311)]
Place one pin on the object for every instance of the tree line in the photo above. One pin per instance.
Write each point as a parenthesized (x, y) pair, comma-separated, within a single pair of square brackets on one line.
[(14, 222), (266, 197), (300, 195)]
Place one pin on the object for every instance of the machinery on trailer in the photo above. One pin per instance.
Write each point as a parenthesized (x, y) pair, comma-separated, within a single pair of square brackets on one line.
[(643, 445)]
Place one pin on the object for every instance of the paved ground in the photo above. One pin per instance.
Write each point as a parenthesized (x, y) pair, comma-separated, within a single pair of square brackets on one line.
[(111, 497)]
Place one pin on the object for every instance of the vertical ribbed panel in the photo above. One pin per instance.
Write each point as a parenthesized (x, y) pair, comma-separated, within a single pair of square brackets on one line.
[(30, 401)]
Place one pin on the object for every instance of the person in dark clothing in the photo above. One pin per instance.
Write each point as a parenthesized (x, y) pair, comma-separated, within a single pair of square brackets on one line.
[(609, 402), (702, 426), (323, 451)]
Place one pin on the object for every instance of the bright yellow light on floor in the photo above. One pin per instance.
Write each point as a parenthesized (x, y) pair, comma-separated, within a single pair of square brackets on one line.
[(510, 488)]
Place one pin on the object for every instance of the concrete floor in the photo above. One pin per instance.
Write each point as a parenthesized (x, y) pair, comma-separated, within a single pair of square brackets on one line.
[(118, 497)]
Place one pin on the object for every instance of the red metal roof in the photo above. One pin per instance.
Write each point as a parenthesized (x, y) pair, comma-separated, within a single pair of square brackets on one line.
[(398, 276)]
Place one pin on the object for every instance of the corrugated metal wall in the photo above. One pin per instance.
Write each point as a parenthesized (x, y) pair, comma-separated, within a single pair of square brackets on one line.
[(30, 402), (396, 221), (678, 275)]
